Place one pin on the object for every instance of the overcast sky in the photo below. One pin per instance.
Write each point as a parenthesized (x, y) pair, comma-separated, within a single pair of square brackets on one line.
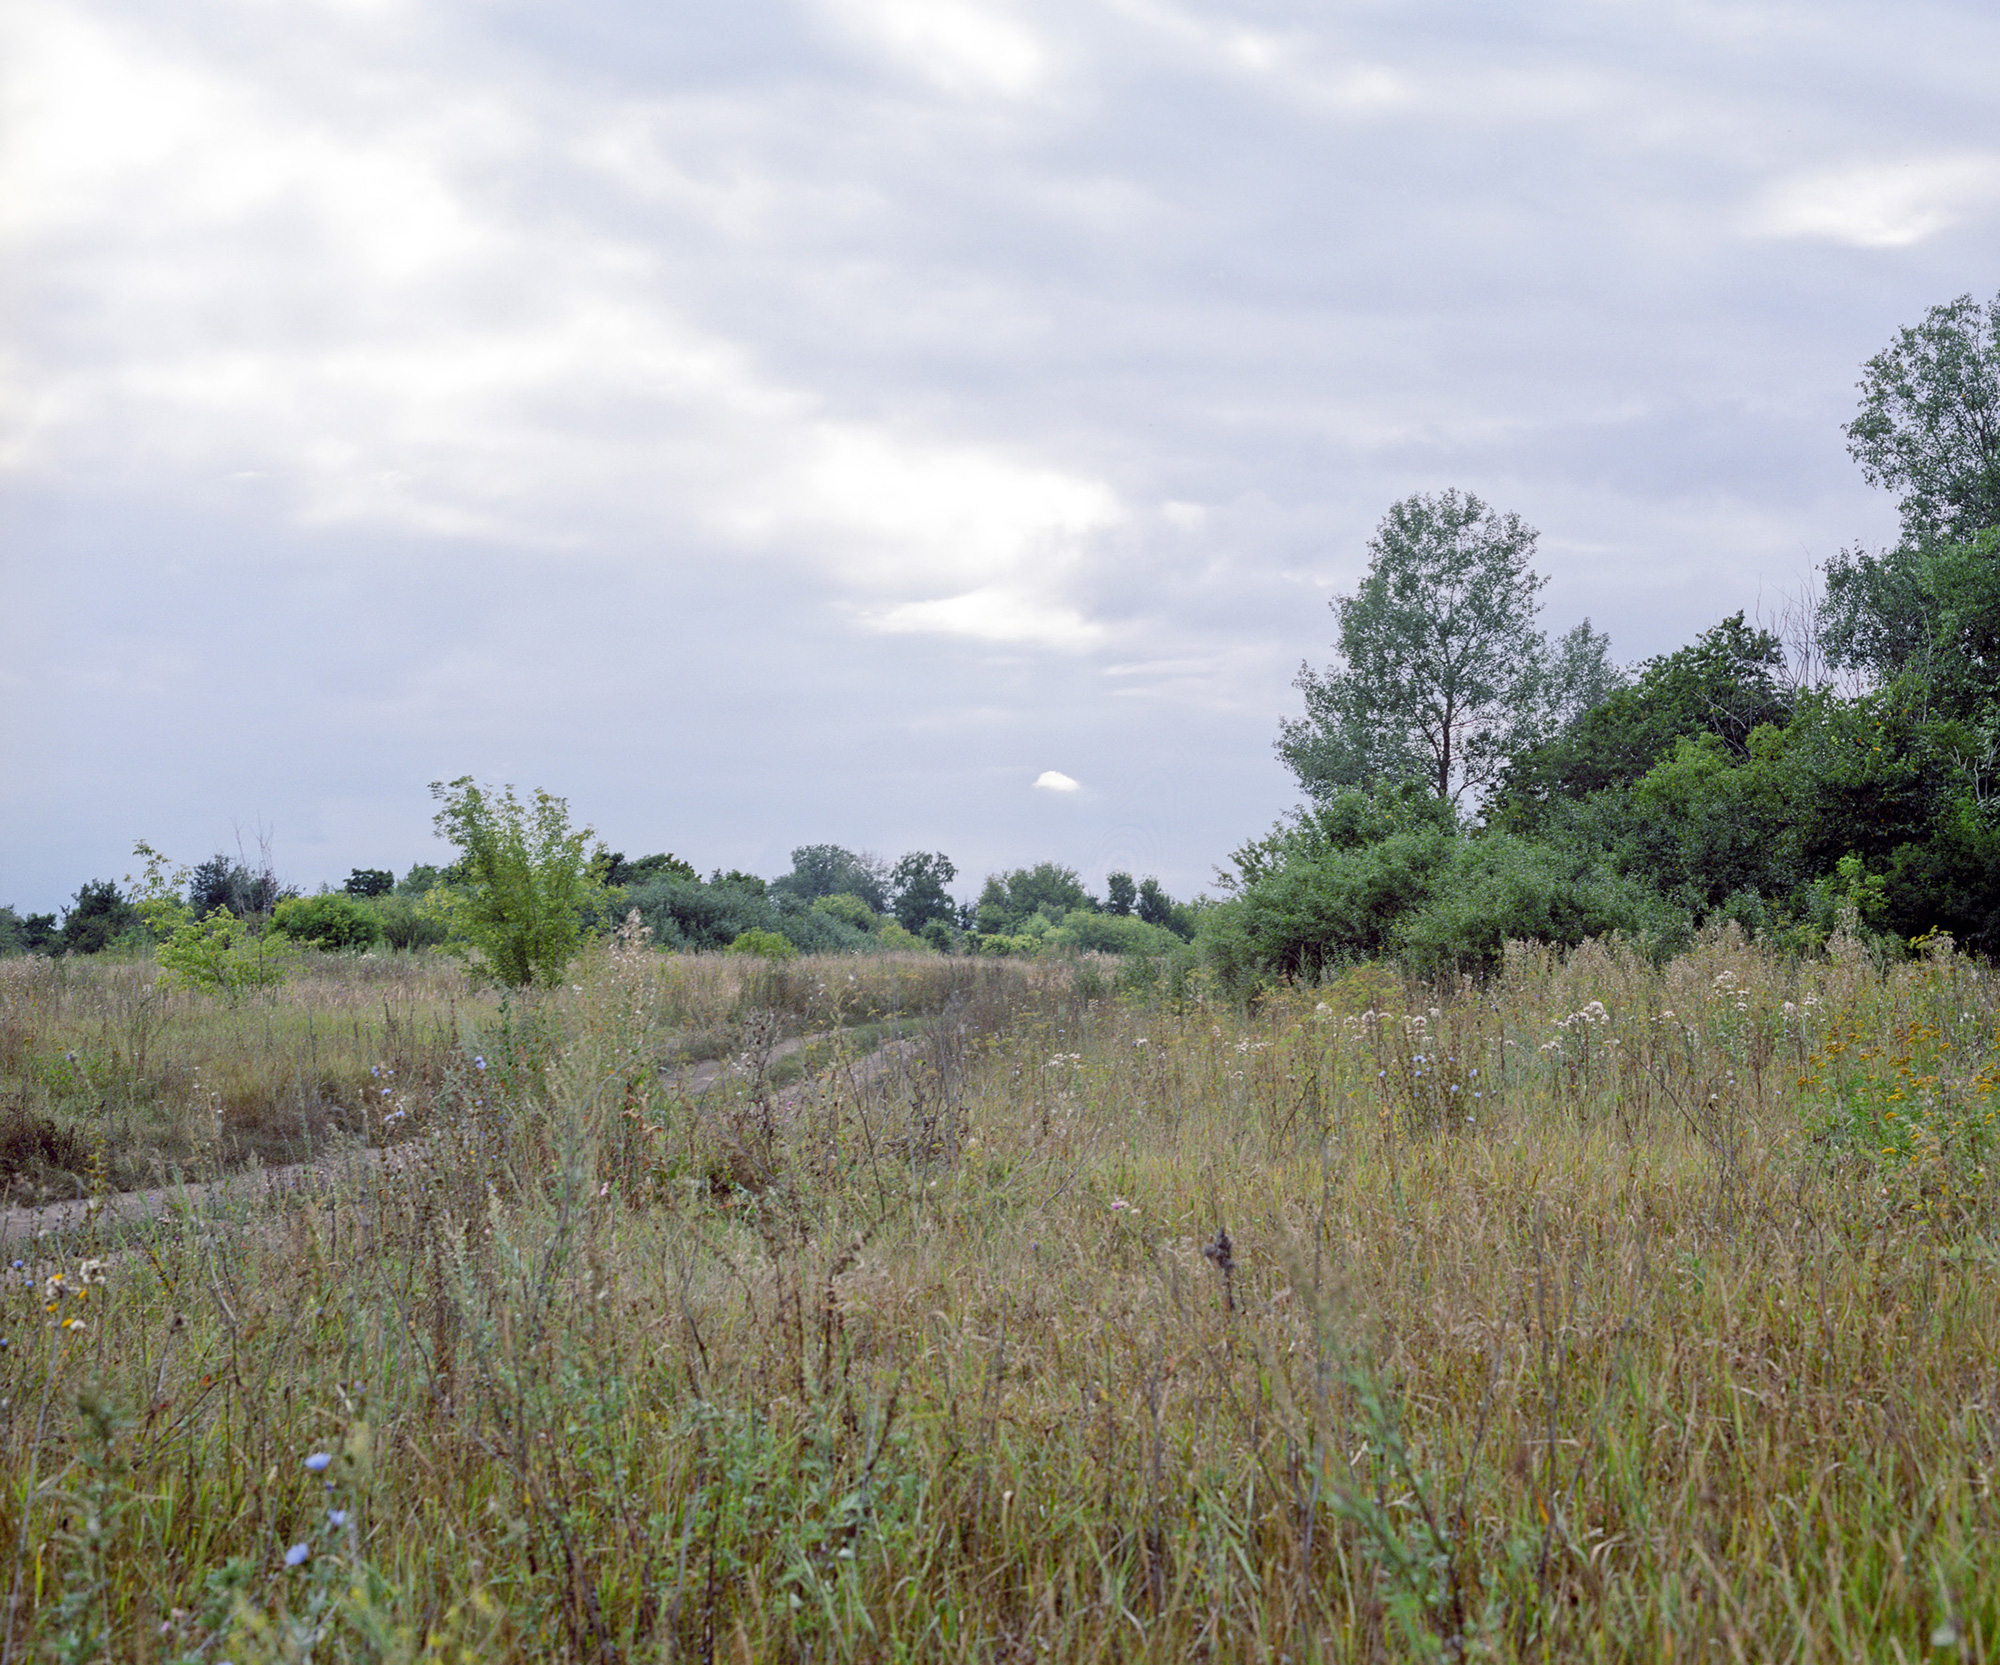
[(779, 421)]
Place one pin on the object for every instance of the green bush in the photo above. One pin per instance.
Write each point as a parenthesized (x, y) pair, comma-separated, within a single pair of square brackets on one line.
[(335, 923), (217, 953), (528, 879), (407, 924), (1498, 889), (849, 910), (766, 945), (1429, 899), (100, 917), (1109, 933)]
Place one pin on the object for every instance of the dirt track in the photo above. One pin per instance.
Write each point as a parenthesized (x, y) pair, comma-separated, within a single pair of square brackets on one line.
[(27, 1227)]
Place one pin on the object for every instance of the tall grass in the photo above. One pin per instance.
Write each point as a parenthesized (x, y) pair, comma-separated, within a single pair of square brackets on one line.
[(1600, 1312)]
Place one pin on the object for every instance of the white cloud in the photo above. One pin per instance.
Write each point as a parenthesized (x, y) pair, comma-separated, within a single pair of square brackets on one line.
[(1054, 780), (957, 45), (352, 314), (1882, 205), (992, 615), (1304, 67)]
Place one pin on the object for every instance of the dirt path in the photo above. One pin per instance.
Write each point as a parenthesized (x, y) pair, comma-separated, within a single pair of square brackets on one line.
[(24, 1231)]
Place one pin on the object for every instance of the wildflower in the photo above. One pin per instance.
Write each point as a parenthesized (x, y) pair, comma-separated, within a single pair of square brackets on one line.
[(319, 1462), (1142, 1041), (337, 1517), (296, 1555), (479, 1061), (1119, 1205), (385, 1092), (91, 1271), (374, 1069)]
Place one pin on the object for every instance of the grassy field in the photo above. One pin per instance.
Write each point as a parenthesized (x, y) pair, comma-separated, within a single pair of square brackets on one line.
[(1603, 1311)]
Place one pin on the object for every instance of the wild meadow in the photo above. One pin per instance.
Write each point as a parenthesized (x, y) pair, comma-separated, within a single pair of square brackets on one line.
[(1600, 1310)]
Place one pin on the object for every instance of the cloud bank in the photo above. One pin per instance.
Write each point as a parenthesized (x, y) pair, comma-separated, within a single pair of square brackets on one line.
[(776, 422)]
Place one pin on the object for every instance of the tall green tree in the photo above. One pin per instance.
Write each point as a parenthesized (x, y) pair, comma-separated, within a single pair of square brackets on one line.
[(833, 870), (1120, 894), (919, 881), (1929, 423), (99, 916), (1443, 675), (1726, 683), (528, 878)]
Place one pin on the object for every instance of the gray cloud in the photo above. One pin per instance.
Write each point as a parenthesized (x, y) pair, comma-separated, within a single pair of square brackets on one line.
[(768, 423)]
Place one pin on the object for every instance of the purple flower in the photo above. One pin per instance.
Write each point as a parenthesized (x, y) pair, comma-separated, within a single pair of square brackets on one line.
[(296, 1554), (320, 1461)]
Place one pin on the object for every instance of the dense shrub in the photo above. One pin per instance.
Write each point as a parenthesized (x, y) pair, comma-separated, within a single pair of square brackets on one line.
[(407, 925), (1432, 900), (849, 910), (1496, 889), (100, 916), (1107, 933), (332, 922), (696, 916), (33, 933), (767, 945), (527, 878)]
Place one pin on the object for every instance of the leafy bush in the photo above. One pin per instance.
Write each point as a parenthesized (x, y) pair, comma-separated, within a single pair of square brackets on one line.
[(919, 881), (766, 945), (1008, 900), (1434, 901), (528, 878), (34, 933), (849, 910), (1498, 889), (333, 922), (216, 952), (832, 870), (407, 924), (100, 916), (220, 882), (691, 915), (1107, 933)]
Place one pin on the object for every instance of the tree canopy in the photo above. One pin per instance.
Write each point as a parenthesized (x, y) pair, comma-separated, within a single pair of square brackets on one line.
[(1443, 674), (1929, 423)]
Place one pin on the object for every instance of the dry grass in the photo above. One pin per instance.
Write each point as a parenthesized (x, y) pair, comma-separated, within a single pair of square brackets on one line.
[(1605, 1312)]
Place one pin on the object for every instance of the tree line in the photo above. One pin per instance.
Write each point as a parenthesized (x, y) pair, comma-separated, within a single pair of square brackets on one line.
[(527, 887), (1468, 780)]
